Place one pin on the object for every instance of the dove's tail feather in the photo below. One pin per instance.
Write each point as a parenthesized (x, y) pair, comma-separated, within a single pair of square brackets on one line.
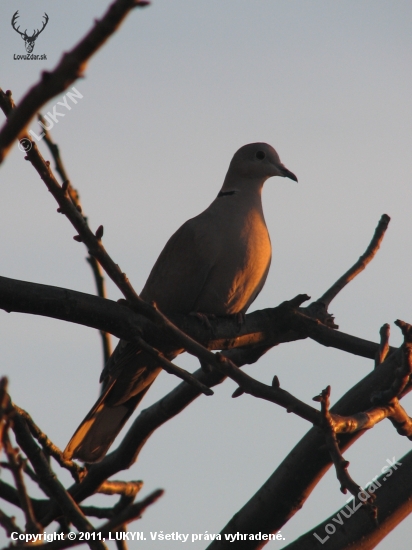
[(98, 430)]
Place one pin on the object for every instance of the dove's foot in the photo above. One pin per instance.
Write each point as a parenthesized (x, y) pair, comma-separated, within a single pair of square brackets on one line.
[(239, 317), (204, 318)]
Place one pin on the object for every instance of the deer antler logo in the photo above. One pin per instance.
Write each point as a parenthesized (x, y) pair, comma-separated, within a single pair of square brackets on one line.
[(28, 40)]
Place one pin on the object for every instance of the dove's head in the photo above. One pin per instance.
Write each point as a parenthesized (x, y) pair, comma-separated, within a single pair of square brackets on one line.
[(256, 162)]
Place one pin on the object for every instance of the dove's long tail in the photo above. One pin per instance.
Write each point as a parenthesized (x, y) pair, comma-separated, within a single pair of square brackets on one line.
[(111, 411), (96, 433)]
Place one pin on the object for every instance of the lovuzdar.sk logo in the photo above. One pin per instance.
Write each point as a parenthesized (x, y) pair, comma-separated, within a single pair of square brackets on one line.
[(29, 41)]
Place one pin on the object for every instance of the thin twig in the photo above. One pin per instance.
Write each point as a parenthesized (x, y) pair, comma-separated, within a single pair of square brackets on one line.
[(101, 291), (128, 493), (25, 467), (341, 465), (360, 265), (400, 419), (131, 513), (55, 489), (54, 150), (9, 524), (171, 368), (383, 350), (125, 488), (121, 544), (96, 512), (403, 374), (16, 465), (70, 68), (49, 447), (4, 407), (9, 493), (75, 197)]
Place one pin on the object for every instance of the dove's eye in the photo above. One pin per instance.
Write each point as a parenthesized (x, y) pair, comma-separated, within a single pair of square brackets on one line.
[(260, 155)]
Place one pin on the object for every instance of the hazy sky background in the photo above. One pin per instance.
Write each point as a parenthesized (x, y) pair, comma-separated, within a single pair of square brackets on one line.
[(165, 105)]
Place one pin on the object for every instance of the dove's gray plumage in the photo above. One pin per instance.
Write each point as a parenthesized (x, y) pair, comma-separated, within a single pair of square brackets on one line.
[(216, 263)]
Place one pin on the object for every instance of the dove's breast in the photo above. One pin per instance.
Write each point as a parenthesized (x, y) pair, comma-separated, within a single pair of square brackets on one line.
[(215, 263), (241, 266)]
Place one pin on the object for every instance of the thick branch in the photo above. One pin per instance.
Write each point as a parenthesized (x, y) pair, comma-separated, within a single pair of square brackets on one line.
[(266, 328), (354, 527)]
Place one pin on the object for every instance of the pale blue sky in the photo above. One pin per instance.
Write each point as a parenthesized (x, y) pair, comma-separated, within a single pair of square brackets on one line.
[(165, 104)]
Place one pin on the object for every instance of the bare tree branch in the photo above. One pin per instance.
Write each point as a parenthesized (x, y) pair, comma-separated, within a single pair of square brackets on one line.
[(403, 374), (125, 488), (383, 344), (131, 513), (172, 404), (351, 527), (74, 195), (171, 368), (341, 465), (284, 493), (51, 449), (360, 265), (9, 524), (101, 291), (266, 328), (70, 68), (16, 466), (55, 489)]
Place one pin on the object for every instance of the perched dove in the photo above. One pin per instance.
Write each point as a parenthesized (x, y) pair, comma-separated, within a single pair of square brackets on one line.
[(216, 263)]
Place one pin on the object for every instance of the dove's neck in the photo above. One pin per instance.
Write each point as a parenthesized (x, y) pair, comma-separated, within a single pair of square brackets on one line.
[(244, 185), (241, 195)]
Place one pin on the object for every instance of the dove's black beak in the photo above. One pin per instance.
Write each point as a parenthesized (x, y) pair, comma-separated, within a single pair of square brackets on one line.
[(288, 174)]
